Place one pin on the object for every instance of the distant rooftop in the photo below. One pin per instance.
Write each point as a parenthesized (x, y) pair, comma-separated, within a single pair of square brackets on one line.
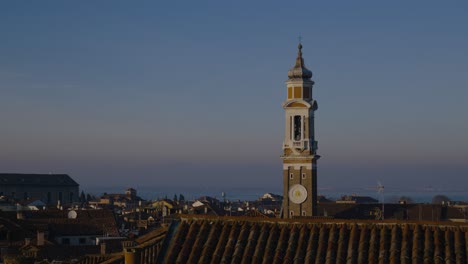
[(36, 179)]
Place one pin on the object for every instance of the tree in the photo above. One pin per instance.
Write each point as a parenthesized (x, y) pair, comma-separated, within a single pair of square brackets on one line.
[(175, 198), (82, 197), (440, 199), (181, 197)]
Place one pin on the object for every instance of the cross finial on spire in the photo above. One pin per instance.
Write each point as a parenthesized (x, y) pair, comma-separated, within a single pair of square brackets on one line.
[(300, 47)]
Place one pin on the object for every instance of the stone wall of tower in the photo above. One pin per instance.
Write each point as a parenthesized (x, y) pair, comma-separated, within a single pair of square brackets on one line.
[(306, 177)]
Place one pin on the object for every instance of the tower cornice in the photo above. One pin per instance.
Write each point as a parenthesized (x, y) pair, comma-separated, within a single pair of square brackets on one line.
[(297, 103), (295, 158)]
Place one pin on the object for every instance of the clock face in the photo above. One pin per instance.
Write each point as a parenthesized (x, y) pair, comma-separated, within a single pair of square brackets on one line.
[(297, 194)]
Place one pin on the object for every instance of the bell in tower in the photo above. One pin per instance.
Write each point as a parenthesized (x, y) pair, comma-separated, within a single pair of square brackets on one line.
[(299, 146)]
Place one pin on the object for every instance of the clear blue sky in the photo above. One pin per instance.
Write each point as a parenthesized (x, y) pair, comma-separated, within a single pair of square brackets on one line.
[(155, 93)]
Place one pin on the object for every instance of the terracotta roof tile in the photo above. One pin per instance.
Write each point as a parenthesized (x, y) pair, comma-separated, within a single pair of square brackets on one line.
[(302, 244), (256, 240), (222, 240), (210, 244), (251, 243), (261, 243), (271, 244), (204, 239), (230, 244)]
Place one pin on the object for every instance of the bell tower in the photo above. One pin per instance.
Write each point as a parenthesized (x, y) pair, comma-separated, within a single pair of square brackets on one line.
[(299, 146)]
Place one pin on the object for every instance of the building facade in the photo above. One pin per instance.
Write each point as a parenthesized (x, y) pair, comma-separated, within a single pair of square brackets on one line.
[(49, 188), (299, 146)]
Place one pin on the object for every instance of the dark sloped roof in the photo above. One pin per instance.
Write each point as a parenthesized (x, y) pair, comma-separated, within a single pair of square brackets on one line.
[(36, 179), (357, 199), (424, 212), (98, 258), (253, 240), (87, 222)]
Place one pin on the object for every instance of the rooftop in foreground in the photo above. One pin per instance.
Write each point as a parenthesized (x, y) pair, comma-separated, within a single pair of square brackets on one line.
[(208, 239)]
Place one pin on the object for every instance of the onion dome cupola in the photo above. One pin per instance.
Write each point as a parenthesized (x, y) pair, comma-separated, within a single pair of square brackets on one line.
[(299, 71)]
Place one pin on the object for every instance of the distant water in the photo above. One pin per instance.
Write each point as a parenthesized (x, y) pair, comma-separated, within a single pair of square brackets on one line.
[(249, 194)]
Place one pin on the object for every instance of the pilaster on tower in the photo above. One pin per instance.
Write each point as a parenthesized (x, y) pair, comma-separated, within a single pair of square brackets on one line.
[(299, 146)]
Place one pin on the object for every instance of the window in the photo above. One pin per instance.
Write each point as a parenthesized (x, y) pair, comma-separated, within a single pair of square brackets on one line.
[(289, 92), (82, 241), (297, 92), (60, 197), (297, 127), (304, 125), (290, 127), (303, 213), (49, 198), (291, 213), (291, 176), (303, 175), (25, 195), (65, 241), (71, 197), (306, 92)]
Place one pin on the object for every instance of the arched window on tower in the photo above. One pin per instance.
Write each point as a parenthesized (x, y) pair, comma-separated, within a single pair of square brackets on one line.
[(297, 127), (290, 127), (304, 126)]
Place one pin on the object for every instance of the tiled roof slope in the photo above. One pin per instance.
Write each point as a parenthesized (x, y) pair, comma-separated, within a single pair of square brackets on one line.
[(102, 259), (252, 240)]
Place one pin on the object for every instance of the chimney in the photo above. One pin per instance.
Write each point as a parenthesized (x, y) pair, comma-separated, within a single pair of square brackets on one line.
[(131, 255), (103, 248), (40, 238), (19, 215)]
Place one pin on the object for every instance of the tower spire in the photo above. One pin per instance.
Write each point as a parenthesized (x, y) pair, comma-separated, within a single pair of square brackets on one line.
[(299, 59), (299, 71)]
